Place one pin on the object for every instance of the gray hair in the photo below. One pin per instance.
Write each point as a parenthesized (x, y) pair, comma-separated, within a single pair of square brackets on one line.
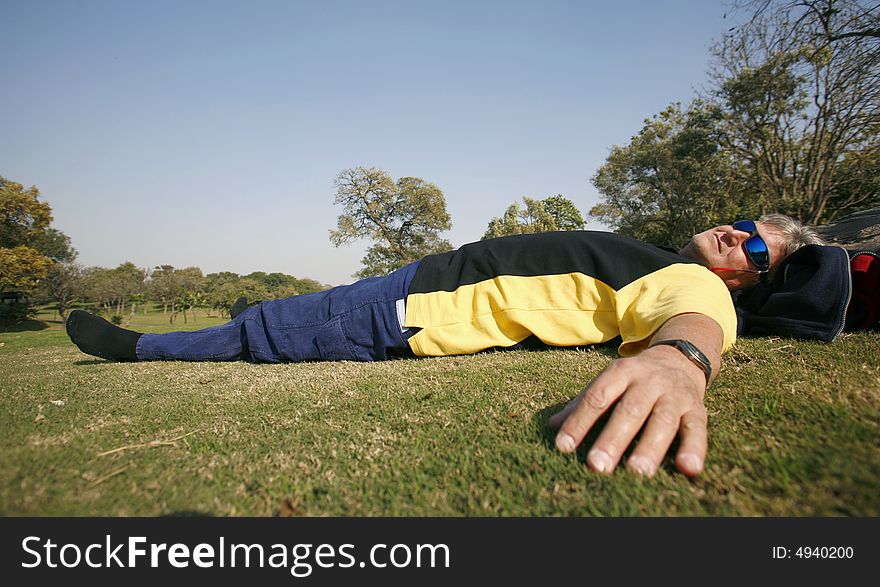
[(794, 234)]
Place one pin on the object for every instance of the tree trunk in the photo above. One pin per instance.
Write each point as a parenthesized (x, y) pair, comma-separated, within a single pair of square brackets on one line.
[(131, 315)]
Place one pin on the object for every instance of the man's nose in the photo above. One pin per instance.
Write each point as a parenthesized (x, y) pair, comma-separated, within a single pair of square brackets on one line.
[(732, 236)]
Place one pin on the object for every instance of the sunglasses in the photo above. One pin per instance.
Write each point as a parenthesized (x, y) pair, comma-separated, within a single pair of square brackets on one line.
[(756, 250), (755, 247)]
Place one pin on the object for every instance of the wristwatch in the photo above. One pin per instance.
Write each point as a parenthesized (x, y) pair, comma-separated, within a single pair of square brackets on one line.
[(694, 354)]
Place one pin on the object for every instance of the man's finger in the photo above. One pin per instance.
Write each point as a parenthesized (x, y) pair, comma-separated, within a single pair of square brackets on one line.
[(660, 431), (559, 417), (587, 408), (692, 450), (626, 420)]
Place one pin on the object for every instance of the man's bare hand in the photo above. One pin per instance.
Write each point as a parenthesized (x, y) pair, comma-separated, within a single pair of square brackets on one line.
[(659, 389), (659, 386)]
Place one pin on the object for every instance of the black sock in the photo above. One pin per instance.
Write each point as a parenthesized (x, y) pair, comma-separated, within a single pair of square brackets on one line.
[(95, 336), (238, 307)]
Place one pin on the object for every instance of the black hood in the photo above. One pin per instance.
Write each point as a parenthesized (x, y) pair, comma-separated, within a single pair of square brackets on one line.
[(807, 297)]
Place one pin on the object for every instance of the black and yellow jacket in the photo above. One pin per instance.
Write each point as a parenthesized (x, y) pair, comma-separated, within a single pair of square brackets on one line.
[(564, 288)]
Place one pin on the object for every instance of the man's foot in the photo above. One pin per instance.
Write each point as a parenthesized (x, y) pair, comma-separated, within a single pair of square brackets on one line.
[(238, 307), (95, 336)]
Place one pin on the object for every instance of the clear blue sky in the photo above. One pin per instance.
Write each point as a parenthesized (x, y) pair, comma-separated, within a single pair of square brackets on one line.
[(209, 133)]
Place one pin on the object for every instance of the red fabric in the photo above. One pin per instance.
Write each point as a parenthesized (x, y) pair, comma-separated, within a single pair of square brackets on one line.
[(866, 288)]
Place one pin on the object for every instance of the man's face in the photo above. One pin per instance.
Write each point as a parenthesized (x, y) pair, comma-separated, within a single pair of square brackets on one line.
[(722, 247)]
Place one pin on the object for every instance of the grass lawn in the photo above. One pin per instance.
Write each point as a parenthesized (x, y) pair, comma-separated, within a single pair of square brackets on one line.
[(793, 431)]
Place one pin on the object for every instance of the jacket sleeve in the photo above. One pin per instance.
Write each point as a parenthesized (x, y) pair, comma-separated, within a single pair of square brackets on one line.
[(644, 305)]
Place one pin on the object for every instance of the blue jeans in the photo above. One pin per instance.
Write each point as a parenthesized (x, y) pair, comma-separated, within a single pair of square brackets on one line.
[(357, 322)]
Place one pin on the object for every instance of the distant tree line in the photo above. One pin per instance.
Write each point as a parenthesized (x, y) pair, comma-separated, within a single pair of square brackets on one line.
[(39, 262), (121, 292)]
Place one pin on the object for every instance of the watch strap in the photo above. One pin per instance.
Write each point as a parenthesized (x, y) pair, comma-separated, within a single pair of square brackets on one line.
[(690, 350)]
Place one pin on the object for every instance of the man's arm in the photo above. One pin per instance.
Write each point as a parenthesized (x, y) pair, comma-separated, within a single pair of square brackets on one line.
[(659, 385)]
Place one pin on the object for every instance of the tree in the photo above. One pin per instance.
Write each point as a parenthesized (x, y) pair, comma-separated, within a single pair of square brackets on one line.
[(307, 285), (162, 286), (858, 181), (112, 289), (528, 220), (565, 214), (225, 288), (23, 218), (553, 213), (63, 285), (221, 290), (860, 22), (21, 268), (790, 124), (277, 285), (188, 285), (799, 86), (404, 219), (671, 181), (56, 245)]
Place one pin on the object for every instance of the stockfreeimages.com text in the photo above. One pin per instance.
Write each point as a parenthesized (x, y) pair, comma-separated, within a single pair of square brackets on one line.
[(301, 559)]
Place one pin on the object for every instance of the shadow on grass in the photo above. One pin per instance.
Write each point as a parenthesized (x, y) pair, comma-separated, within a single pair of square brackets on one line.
[(533, 345), (547, 435), (26, 326), (85, 362), (541, 420)]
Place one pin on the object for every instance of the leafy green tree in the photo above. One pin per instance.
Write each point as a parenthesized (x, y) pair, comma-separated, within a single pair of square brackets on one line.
[(799, 88), (161, 286), (188, 301), (858, 180), (277, 285), (671, 181), (790, 124), (188, 285), (565, 214), (553, 213), (56, 245), (403, 219), (223, 289), (112, 289), (307, 285), (527, 220), (23, 218), (64, 285), (21, 268)]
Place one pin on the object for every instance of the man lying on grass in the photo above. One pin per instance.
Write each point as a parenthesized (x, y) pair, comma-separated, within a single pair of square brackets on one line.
[(672, 311)]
